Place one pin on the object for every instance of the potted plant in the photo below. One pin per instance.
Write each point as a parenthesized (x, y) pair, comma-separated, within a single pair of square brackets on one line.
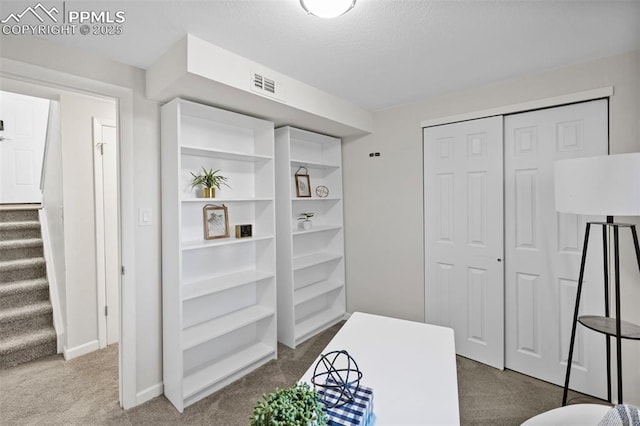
[(306, 220), (297, 405), (210, 180)]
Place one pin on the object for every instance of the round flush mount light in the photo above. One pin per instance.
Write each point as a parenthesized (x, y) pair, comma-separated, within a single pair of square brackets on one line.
[(327, 8)]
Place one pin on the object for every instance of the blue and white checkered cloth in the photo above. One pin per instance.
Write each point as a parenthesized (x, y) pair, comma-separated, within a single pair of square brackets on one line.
[(356, 413)]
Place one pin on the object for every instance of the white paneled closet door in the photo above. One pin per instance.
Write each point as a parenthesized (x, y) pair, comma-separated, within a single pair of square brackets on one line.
[(464, 235), (543, 247)]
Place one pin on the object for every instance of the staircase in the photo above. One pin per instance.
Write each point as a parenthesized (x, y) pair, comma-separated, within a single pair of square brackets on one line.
[(26, 321)]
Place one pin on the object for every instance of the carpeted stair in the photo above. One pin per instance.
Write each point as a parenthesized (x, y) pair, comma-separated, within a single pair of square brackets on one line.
[(26, 321)]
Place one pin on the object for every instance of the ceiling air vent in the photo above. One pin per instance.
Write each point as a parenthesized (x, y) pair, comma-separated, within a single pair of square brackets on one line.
[(258, 81), (263, 84)]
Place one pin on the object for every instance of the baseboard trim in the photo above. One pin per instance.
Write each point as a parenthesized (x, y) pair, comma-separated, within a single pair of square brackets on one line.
[(149, 393), (77, 351)]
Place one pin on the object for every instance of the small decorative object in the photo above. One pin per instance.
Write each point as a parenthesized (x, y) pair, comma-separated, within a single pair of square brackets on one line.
[(297, 405), (322, 191), (216, 222), (338, 375), (356, 413), (306, 220), (210, 180), (303, 187), (244, 231)]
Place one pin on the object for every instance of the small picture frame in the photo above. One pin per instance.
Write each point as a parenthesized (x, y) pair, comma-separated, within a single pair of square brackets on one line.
[(244, 231), (216, 222), (303, 186)]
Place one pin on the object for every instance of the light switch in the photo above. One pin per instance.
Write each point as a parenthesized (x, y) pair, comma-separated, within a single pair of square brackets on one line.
[(144, 217)]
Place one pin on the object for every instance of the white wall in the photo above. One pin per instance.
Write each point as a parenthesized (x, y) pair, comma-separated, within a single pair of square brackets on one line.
[(76, 113), (385, 272)]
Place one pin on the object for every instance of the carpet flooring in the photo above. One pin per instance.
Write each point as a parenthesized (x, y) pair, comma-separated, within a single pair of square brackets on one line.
[(84, 391)]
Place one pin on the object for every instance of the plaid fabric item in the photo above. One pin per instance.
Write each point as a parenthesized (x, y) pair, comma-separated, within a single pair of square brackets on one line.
[(357, 412)]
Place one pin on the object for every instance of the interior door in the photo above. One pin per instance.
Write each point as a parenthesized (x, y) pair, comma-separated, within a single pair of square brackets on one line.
[(463, 187), (22, 145), (107, 230), (543, 248)]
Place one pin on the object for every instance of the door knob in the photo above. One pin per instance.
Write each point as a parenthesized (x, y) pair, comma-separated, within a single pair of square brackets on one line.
[(499, 260)]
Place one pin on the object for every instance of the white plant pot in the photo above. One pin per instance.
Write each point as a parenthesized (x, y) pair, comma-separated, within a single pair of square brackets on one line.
[(306, 225)]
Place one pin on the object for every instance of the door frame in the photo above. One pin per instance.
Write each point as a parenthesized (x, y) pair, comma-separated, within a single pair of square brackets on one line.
[(103, 286), (571, 98), (20, 71)]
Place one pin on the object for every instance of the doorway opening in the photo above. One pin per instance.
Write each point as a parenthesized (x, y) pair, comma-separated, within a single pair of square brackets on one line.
[(80, 158)]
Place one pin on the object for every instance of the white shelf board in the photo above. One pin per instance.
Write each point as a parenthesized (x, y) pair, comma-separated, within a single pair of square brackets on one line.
[(317, 228), (208, 330), (198, 244), (227, 155), (315, 322), (225, 200), (316, 199), (314, 290), (313, 164), (309, 260), (214, 284), (214, 373)]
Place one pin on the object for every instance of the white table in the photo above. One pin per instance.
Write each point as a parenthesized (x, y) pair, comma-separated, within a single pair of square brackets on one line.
[(411, 367)]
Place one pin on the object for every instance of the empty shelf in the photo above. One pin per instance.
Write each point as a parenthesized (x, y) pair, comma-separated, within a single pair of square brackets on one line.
[(218, 283), (310, 325), (314, 290), (314, 259), (227, 155), (203, 332), (208, 376)]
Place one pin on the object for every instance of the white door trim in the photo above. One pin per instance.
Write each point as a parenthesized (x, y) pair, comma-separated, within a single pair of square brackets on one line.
[(124, 96), (587, 95), (104, 285)]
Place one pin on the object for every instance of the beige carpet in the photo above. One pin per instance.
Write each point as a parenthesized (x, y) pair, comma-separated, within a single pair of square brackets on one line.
[(84, 391)]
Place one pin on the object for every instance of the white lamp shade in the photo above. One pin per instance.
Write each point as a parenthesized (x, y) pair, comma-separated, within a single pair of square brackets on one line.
[(608, 185)]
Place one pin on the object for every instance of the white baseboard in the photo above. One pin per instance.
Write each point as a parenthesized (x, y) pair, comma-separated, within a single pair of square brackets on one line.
[(81, 350), (149, 393)]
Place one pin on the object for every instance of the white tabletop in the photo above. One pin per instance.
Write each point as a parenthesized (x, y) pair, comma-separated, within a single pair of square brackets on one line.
[(411, 367)]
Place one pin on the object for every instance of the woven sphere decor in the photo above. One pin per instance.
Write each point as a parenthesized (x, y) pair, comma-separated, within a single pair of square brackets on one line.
[(338, 374)]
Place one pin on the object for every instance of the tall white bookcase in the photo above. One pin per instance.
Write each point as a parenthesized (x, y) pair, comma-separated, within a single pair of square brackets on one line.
[(219, 296), (311, 276)]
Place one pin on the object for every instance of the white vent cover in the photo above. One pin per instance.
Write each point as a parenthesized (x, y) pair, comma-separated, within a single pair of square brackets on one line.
[(263, 84)]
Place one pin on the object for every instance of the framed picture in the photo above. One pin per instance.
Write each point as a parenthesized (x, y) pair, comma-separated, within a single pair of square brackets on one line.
[(303, 186), (216, 222)]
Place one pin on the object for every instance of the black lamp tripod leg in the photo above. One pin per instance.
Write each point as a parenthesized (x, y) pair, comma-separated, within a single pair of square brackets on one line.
[(616, 260), (605, 257), (575, 314)]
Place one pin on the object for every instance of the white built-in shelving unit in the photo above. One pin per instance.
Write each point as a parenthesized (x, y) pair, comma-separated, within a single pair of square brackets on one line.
[(311, 276), (219, 296)]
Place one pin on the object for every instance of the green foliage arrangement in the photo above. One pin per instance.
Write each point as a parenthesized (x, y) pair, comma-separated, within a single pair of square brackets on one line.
[(305, 216), (209, 178), (298, 405)]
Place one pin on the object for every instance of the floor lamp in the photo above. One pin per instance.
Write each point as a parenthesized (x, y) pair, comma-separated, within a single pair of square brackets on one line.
[(601, 186)]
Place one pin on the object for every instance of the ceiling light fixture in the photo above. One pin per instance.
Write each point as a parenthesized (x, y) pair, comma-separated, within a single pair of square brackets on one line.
[(327, 8)]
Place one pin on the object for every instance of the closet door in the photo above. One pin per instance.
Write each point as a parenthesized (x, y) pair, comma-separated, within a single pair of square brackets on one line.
[(464, 235), (543, 248)]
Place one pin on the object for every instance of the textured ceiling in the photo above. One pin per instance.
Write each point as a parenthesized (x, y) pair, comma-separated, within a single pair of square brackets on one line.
[(384, 52)]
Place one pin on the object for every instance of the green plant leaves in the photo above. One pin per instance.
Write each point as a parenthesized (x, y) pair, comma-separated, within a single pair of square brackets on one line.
[(209, 178), (298, 405)]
